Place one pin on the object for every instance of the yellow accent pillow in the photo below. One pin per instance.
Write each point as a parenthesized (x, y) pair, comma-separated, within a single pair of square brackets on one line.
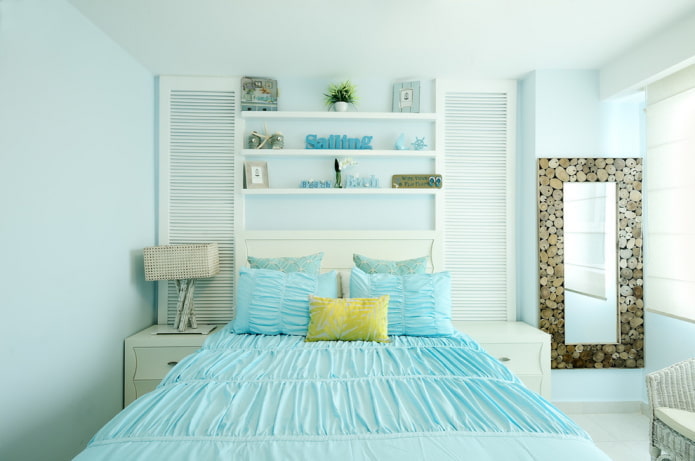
[(348, 319)]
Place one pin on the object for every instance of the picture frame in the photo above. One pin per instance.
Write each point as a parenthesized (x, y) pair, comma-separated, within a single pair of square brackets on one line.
[(256, 175), (406, 97), (259, 94)]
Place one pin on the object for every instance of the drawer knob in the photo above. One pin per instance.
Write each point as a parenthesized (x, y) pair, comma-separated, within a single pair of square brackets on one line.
[(504, 359), (171, 364)]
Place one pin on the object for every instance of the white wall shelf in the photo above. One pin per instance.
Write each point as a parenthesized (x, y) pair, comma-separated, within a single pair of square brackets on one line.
[(285, 202), (336, 191), (330, 153), (276, 115)]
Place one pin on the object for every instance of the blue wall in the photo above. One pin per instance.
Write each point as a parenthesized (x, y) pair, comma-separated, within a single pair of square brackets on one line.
[(562, 116), (668, 341), (77, 207)]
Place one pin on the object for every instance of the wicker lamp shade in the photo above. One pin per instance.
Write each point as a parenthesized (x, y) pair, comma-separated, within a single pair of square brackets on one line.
[(184, 264), (179, 262)]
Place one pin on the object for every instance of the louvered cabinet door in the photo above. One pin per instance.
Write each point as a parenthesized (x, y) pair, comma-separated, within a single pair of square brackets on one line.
[(197, 143), (479, 145)]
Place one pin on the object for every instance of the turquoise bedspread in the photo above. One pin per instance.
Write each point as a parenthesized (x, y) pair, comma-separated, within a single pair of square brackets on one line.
[(255, 397)]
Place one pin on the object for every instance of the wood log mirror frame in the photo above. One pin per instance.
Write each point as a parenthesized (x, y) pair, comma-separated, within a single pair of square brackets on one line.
[(553, 173)]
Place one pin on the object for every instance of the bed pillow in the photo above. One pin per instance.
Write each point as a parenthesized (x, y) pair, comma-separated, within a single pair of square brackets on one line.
[(273, 302), (310, 264), (329, 285), (348, 319), (384, 266), (419, 305)]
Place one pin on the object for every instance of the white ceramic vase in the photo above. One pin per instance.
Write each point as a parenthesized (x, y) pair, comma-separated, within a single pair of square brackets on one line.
[(340, 106)]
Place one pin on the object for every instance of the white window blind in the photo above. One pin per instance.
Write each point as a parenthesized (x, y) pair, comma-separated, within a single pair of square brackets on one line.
[(479, 139), (669, 177), (197, 119)]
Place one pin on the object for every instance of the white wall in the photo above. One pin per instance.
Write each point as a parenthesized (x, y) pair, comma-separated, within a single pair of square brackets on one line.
[(564, 117), (526, 221), (76, 208), (657, 56)]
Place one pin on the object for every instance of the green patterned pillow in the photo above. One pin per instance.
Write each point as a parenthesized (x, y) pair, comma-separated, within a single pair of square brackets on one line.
[(348, 319), (382, 266), (307, 264)]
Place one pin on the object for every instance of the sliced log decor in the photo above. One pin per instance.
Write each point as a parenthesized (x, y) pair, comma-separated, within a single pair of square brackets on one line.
[(627, 174)]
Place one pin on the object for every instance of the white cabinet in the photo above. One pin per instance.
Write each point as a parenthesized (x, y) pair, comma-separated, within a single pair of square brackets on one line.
[(149, 357), (523, 349)]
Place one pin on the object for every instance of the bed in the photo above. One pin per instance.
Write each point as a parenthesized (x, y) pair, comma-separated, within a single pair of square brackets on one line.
[(271, 385)]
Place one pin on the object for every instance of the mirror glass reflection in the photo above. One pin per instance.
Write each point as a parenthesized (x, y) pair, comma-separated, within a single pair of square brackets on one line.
[(591, 267)]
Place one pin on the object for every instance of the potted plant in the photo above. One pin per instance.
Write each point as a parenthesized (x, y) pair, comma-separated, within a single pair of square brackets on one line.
[(339, 95)]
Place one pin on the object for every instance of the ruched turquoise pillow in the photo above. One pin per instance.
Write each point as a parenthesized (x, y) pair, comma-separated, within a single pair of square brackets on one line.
[(419, 305), (272, 302)]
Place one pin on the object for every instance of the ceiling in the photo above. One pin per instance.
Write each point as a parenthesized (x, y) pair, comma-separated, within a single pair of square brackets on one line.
[(379, 38)]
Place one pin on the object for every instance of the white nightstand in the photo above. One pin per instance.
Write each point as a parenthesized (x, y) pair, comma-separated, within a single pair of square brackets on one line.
[(149, 357), (523, 349)]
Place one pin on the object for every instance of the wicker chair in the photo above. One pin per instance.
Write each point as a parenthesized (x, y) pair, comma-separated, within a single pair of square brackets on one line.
[(671, 393)]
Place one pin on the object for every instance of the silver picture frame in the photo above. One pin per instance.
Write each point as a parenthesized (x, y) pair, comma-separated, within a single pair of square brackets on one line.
[(256, 175)]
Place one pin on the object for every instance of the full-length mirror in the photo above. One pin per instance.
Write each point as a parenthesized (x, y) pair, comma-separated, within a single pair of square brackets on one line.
[(591, 269), (590, 261)]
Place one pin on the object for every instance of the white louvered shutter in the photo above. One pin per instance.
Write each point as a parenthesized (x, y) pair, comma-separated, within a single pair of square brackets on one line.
[(479, 144), (197, 121)]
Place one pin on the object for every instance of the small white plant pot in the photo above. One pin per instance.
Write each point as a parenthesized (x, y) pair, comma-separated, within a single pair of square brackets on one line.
[(340, 106)]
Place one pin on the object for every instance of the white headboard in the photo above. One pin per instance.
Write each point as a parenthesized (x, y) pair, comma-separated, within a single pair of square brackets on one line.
[(339, 246)]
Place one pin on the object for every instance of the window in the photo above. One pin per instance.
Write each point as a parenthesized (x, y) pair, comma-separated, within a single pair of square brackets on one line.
[(670, 182)]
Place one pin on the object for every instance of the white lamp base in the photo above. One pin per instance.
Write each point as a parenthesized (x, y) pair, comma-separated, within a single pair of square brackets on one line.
[(171, 330)]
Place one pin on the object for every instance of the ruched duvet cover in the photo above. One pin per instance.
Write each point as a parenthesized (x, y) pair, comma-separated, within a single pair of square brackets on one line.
[(257, 397)]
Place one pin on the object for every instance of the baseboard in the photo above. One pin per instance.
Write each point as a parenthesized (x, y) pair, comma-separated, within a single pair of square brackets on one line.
[(645, 408), (602, 407)]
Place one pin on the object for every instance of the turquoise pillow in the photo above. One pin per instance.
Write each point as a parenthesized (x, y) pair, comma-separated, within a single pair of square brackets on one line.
[(308, 264), (328, 285), (383, 266), (419, 305), (272, 302)]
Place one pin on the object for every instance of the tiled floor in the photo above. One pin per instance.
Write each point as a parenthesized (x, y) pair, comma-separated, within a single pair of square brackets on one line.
[(622, 436)]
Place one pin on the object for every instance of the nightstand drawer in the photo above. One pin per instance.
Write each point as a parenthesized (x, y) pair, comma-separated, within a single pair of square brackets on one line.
[(523, 349), (144, 386), (533, 382), (155, 362), (521, 358)]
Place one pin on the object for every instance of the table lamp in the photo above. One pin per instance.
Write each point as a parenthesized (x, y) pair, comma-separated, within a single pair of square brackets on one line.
[(184, 264)]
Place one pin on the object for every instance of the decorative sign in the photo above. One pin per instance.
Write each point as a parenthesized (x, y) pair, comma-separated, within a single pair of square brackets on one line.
[(313, 184), (352, 182), (259, 94), (336, 141), (416, 181)]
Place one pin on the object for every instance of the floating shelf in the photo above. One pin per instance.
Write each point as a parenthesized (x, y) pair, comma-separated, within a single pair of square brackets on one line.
[(336, 191), (330, 153), (428, 116)]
